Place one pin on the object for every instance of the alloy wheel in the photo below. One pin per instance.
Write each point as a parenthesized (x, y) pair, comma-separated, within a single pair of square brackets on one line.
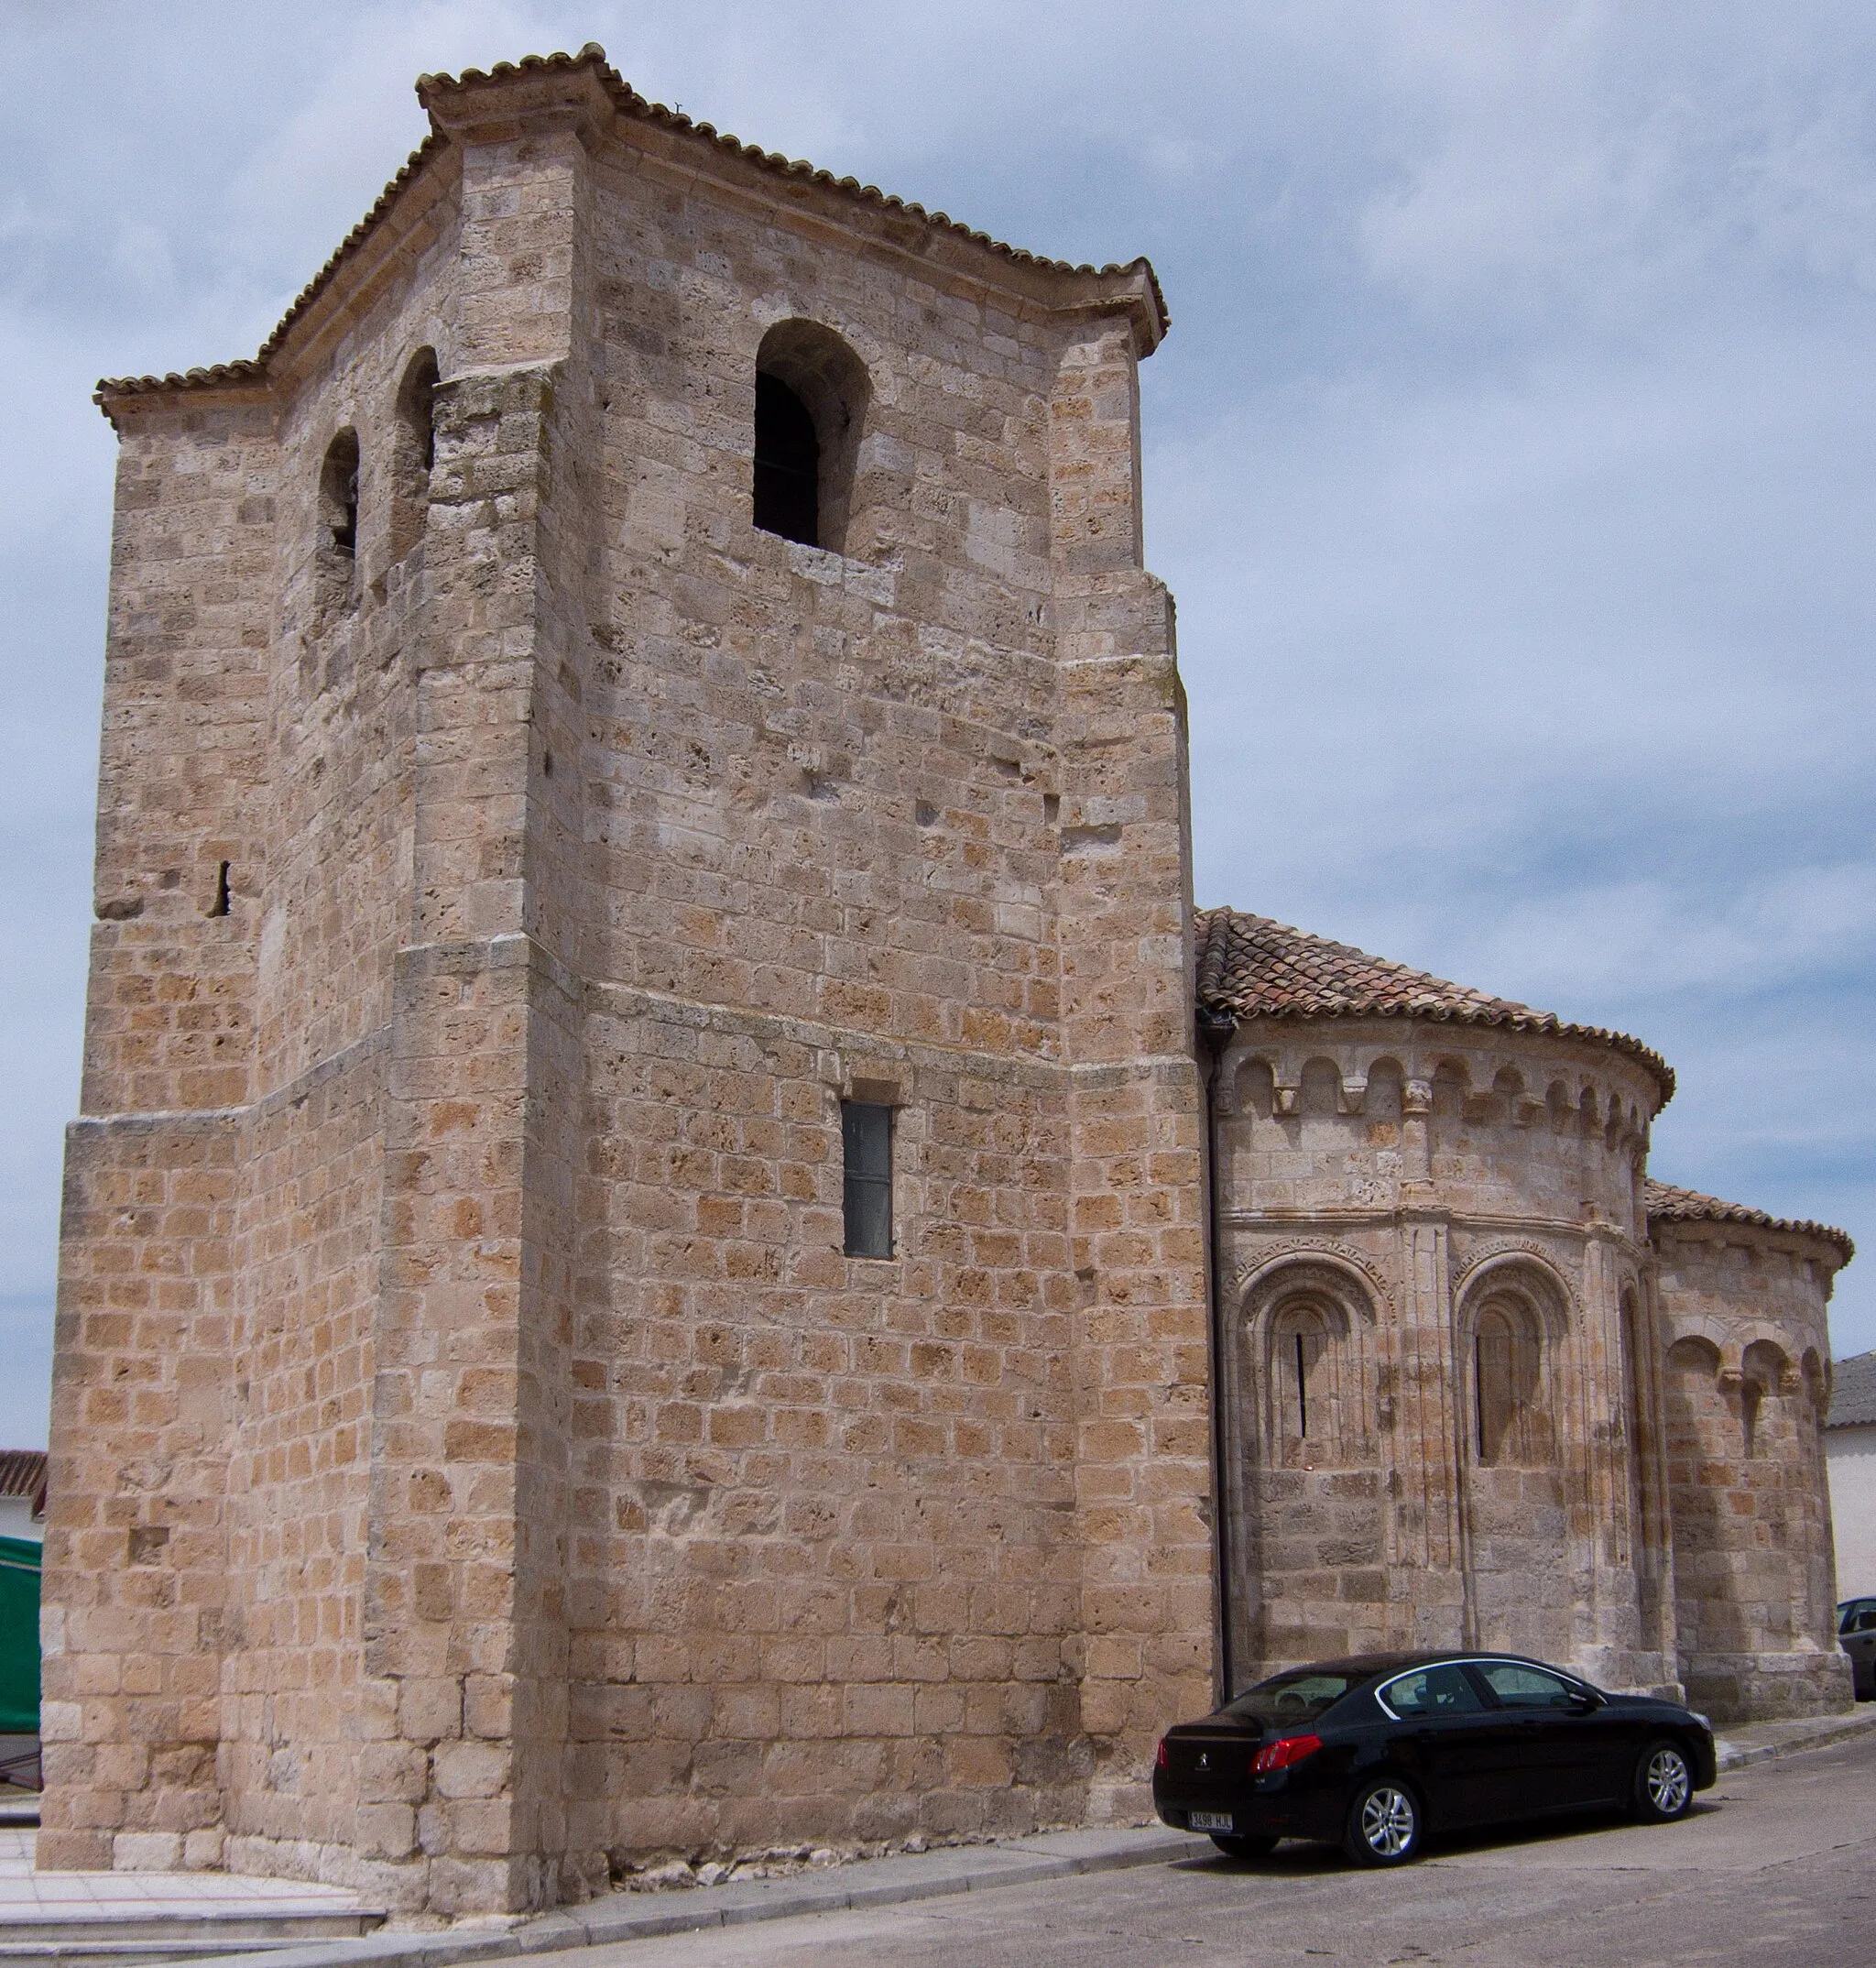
[(1387, 1821), (1667, 1782)]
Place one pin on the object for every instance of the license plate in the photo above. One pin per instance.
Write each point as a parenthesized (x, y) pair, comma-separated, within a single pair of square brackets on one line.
[(1209, 1821)]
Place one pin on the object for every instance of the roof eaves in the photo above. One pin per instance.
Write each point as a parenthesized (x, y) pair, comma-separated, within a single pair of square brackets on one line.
[(1667, 1203), (1462, 1007), (254, 369), (628, 101)]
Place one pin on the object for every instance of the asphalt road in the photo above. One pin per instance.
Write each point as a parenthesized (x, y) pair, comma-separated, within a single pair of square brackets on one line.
[(1777, 1864)]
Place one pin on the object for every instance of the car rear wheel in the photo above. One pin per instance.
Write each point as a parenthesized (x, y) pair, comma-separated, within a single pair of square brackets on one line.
[(1235, 1847), (1384, 1821), (1663, 1783)]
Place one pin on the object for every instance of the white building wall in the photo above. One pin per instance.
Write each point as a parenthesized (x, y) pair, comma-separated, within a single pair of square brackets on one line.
[(1851, 1456)]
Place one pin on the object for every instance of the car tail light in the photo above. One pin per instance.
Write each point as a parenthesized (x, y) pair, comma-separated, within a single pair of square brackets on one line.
[(1283, 1751), (1161, 1757)]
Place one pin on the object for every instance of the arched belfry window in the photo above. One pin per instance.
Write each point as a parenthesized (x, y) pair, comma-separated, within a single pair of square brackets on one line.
[(337, 552), (811, 394), (414, 443)]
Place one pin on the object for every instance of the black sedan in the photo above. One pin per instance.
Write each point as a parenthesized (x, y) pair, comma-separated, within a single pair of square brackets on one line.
[(1373, 1752), (1856, 1635)]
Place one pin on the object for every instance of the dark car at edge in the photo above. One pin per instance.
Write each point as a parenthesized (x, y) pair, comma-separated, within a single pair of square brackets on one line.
[(1377, 1751), (1856, 1635)]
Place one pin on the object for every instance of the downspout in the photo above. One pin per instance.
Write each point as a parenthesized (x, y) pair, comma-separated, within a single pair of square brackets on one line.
[(1216, 1029)]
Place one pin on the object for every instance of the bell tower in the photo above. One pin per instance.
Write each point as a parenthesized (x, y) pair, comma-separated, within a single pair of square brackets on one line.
[(633, 1275)]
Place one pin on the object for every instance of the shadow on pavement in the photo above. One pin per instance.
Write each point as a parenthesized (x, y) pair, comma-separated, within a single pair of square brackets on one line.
[(1294, 1858)]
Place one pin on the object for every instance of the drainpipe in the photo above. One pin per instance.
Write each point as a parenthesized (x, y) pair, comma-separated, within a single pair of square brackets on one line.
[(1216, 1029)]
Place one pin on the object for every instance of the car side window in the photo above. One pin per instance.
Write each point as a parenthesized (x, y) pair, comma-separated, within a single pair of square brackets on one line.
[(1432, 1691), (1519, 1687), (1864, 1622)]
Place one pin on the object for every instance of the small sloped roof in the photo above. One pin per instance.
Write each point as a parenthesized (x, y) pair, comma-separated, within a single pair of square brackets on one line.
[(1259, 969), (631, 104), (1664, 1201), (1852, 1392), (22, 1473)]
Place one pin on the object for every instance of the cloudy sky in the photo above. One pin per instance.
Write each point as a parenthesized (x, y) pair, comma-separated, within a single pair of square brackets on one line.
[(1513, 458)]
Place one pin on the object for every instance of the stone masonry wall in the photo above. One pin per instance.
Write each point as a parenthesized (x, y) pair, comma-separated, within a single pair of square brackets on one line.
[(1744, 1312), (336, 812), (568, 1496), (135, 1544), (1386, 1187)]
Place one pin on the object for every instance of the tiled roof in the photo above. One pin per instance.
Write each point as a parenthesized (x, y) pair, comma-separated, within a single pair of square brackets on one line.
[(1258, 968), (631, 104), (22, 1473), (1852, 1392), (1689, 1205)]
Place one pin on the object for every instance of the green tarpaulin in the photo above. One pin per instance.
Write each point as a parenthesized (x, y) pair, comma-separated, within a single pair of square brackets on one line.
[(19, 1638)]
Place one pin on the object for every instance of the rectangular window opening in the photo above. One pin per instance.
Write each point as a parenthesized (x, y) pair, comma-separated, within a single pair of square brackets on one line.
[(865, 1140)]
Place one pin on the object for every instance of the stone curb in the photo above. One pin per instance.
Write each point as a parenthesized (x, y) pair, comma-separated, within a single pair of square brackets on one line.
[(642, 1915), (1813, 1733)]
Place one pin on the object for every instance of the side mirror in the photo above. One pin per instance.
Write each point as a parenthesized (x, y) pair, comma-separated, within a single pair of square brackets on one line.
[(1582, 1703)]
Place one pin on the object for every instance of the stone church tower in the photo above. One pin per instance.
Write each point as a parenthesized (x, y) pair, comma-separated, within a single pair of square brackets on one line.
[(488, 1435), (637, 1271)]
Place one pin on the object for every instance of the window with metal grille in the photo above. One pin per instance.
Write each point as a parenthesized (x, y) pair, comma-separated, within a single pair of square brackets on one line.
[(866, 1139)]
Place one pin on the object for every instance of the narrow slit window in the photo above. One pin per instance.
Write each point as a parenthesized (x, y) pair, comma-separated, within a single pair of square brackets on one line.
[(219, 905), (865, 1136), (1302, 1390)]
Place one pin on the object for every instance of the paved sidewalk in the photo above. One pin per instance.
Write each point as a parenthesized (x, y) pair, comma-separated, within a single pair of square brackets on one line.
[(1754, 1742), (142, 1917), (864, 1883)]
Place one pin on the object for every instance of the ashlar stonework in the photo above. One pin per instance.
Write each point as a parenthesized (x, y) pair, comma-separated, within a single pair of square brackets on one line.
[(477, 1463)]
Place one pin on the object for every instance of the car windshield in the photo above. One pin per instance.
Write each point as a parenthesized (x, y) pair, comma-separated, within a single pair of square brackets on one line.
[(1299, 1696)]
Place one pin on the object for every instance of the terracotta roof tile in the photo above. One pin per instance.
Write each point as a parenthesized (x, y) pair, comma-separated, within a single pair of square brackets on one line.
[(631, 104), (22, 1473), (1663, 1201), (1852, 1392), (1259, 969)]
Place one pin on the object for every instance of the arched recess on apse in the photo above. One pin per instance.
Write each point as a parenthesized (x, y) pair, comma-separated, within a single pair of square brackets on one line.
[(1512, 1316), (1696, 1414), (1308, 1331), (1815, 1374), (1635, 1364), (1765, 1372)]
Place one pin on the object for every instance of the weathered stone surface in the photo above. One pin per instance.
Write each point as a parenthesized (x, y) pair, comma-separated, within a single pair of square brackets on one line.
[(476, 1460)]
